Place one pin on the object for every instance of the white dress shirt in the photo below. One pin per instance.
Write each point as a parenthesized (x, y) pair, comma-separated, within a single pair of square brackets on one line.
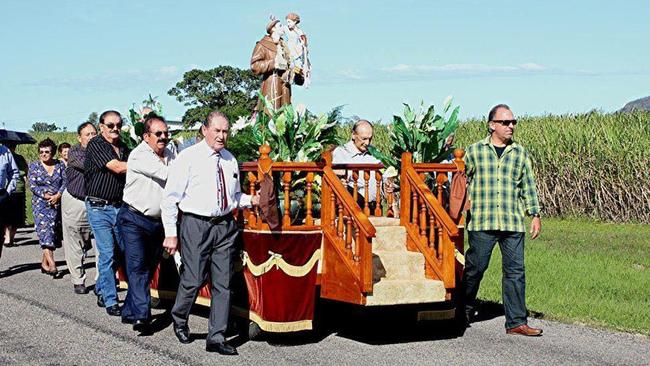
[(192, 185), (146, 175), (350, 154)]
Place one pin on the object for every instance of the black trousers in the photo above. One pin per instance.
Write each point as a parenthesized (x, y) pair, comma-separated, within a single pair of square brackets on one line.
[(207, 251)]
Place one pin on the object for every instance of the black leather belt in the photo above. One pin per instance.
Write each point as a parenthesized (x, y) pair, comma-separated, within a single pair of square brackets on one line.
[(211, 219), (138, 212), (94, 201)]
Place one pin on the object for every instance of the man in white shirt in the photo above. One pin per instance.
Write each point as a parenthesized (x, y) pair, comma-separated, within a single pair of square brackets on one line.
[(355, 151), (204, 184), (141, 230)]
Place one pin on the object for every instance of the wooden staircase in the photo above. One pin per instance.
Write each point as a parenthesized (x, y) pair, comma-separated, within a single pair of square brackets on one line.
[(398, 274)]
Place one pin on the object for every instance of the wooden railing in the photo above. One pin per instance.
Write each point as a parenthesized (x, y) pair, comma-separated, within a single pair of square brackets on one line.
[(360, 178), (430, 229), (347, 232)]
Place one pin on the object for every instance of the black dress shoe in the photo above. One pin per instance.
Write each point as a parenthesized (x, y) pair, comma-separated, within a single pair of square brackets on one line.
[(114, 310), (222, 348), (182, 333), (127, 320), (142, 326), (100, 300), (79, 289)]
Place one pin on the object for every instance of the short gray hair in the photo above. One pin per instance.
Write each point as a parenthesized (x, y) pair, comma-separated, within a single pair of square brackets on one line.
[(213, 115)]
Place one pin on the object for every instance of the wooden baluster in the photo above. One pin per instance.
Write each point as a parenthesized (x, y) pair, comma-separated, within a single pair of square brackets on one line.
[(357, 243), (389, 199), (286, 181), (441, 245), (416, 206), (348, 233), (332, 209), (339, 229), (378, 195), (252, 217), (423, 220), (309, 220), (441, 179), (432, 229), (355, 185), (366, 192)]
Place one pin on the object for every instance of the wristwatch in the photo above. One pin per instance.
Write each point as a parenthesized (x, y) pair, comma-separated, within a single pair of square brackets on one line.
[(534, 215)]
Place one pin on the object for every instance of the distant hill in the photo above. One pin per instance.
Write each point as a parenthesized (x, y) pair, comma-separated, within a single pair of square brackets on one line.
[(642, 104)]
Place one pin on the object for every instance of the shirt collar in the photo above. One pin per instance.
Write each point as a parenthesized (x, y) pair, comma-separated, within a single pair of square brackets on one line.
[(487, 141), (210, 151), (353, 150)]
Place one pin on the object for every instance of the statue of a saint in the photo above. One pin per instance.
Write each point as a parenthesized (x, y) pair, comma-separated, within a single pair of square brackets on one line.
[(271, 60)]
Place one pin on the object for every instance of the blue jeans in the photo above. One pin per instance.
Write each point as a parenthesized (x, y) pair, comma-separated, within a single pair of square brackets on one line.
[(513, 283), (103, 219), (141, 237)]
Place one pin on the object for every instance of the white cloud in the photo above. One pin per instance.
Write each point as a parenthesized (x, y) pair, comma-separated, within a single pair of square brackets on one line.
[(462, 68), (350, 74)]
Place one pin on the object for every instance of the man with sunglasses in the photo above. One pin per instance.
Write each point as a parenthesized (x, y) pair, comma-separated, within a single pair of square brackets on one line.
[(141, 231), (105, 175), (501, 190)]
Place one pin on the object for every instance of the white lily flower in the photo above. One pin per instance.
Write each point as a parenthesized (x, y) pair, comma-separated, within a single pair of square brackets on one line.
[(390, 172), (301, 109), (240, 124), (126, 128), (447, 102)]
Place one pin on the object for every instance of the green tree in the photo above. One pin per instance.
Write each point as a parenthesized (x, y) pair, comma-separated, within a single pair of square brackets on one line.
[(44, 127), (231, 90), (93, 118)]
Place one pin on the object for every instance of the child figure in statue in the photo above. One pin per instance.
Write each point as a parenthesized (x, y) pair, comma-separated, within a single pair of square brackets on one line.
[(298, 51)]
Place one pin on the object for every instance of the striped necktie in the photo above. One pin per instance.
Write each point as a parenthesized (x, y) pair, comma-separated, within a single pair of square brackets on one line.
[(222, 197)]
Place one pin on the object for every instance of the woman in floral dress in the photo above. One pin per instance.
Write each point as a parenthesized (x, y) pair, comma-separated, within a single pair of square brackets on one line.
[(47, 182)]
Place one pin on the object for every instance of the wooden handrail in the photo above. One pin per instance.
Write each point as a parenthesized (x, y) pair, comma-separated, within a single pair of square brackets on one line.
[(431, 202), (348, 202)]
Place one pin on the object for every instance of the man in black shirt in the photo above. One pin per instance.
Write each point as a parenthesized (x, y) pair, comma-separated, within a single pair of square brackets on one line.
[(105, 173), (76, 229)]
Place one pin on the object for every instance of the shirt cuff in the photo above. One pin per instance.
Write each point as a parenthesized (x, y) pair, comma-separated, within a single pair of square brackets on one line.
[(170, 230), (245, 200)]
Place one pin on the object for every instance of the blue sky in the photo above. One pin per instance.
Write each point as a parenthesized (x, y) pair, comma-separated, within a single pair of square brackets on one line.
[(61, 60)]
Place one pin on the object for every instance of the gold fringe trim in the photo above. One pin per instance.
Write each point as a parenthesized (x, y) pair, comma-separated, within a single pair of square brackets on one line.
[(276, 260), (273, 327), (459, 257)]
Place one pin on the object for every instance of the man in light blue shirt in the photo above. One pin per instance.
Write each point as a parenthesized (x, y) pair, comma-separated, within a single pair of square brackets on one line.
[(9, 174)]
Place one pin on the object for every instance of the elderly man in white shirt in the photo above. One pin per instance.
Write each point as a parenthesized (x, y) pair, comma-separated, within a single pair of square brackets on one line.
[(355, 151), (141, 229), (204, 184)]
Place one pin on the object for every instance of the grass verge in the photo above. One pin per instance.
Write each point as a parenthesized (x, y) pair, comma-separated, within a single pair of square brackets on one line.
[(583, 271)]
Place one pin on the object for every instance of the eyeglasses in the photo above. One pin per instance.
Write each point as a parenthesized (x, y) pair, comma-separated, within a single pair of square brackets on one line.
[(48, 152), (113, 125), (505, 122), (160, 133)]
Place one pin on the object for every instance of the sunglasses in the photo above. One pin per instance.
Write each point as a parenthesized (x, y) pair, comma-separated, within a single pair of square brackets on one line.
[(505, 122), (113, 125), (48, 152), (160, 133)]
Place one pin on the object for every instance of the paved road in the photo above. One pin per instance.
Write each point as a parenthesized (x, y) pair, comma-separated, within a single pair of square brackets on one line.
[(42, 322)]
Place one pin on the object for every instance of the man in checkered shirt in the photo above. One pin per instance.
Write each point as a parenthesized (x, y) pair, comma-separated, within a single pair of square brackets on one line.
[(501, 190)]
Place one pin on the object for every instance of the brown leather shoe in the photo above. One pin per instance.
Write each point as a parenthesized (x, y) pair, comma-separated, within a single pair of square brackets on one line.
[(525, 330)]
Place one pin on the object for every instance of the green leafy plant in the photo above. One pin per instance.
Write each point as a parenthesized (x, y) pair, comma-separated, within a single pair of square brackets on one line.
[(423, 133), (131, 133), (294, 134)]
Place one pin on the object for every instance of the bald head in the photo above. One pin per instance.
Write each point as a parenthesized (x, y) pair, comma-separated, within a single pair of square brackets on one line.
[(362, 134)]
